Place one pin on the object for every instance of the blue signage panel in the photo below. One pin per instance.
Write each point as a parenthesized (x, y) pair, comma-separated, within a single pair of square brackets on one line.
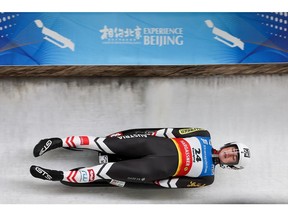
[(142, 38)]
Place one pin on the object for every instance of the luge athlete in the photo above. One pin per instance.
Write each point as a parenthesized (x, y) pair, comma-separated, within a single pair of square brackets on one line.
[(159, 157)]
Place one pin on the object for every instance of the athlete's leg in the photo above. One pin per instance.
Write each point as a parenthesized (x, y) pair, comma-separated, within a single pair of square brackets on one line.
[(136, 147), (146, 169), (129, 147), (79, 142), (81, 175)]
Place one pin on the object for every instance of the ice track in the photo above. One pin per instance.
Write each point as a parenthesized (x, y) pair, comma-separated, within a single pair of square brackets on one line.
[(251, 109)]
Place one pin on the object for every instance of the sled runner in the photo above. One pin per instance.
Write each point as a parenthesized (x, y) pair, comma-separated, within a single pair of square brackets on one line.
[(99, 183)]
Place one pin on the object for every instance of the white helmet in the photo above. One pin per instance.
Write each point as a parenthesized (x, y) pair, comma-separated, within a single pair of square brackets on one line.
[(243, 155)]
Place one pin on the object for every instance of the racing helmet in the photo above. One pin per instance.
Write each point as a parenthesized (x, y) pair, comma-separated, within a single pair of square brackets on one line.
[(243, 156)]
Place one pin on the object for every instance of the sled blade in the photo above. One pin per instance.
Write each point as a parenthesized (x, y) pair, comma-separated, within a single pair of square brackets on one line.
[(90, 184)]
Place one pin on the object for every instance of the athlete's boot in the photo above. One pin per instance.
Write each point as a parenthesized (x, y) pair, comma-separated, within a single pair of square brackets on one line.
[(46, 174), (45, 145)]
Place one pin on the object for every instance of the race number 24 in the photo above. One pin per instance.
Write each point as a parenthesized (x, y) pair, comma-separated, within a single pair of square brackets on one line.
[(196, 154)]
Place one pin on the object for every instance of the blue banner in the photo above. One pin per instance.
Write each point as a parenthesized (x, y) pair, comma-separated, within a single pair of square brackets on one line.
[(142, 38)]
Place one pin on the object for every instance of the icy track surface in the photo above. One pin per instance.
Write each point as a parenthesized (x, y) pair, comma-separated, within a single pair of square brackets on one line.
[(250, 109)]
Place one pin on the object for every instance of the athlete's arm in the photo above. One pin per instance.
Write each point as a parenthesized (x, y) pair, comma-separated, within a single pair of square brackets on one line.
[(185, 182), (181, 132), (146, 131), (165, 132)]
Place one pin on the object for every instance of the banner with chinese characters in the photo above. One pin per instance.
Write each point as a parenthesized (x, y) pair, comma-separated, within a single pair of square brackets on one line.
[(143, 38)]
